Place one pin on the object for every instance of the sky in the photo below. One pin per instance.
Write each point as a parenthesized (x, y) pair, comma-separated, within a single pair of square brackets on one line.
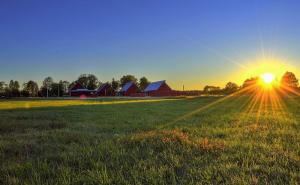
[(190, 43)]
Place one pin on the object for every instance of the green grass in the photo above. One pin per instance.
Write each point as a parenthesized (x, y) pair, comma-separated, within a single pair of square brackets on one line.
[(160, 141)]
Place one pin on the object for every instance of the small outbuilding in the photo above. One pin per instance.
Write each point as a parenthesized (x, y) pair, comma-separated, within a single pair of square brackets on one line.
[(128, 89), (159, 88)]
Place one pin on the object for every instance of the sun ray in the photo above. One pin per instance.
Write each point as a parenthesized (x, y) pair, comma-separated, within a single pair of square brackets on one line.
[(208, 106), (253, 100), (290, 89), (264, 99), (282, 108)]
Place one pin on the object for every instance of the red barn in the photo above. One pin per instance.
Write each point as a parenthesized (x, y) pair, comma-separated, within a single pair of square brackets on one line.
[(105, 90), (128, 89), (160, 88), (76, 86), (79, 90)]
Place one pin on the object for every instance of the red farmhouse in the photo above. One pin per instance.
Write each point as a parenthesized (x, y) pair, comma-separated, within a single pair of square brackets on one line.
[(79, 90), (128, 89), (159, 88), (105, 90)]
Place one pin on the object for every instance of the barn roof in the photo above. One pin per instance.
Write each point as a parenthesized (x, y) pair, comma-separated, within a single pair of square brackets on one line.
[(154, 86), (126, 86), (102, 87)]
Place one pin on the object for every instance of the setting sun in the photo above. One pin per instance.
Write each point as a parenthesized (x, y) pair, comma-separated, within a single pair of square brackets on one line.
[(268, 78)]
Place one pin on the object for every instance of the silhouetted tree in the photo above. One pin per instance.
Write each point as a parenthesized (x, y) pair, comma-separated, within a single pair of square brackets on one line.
[(7, 91), (143, 83), (231, 88), (89, 81), (128, 78), (65, 87), (57, 89), (115, 85), (289, 80), (31, 88), (213, 90), (251, 82), (2, 87), (13, 89), (46, 88), (71, 85)]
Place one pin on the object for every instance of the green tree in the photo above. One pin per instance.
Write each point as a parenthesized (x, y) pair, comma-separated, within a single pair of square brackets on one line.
[(143, 83), (289, 80), (128, 78), (89, 81)]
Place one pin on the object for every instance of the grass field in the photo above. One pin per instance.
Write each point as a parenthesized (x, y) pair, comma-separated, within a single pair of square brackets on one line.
[(204, 140)]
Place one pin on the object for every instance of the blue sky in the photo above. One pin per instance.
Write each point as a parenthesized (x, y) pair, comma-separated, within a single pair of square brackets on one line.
[(184, 42)]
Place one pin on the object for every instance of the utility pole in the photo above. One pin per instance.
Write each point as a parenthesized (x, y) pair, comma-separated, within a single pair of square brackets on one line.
[(58, 90), (183, 87)]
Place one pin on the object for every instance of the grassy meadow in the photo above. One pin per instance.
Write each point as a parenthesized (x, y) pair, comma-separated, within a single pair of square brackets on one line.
[(199, 140)]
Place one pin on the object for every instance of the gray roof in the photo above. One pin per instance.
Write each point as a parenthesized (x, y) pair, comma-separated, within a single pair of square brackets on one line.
[(126, 86), (154, 86)]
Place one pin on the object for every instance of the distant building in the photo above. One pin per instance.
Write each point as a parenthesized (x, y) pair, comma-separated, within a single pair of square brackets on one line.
[(105, 90), (76, 86), (160, 88), (79, 90), (128, 89)]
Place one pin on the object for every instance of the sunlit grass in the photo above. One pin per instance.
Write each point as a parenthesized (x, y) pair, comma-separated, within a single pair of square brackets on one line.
[(17, 104), (239, 139)]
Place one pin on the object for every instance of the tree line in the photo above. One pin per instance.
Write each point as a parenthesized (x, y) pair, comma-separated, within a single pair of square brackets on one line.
[(288, 80), (50, 88)]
